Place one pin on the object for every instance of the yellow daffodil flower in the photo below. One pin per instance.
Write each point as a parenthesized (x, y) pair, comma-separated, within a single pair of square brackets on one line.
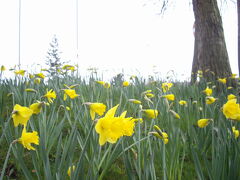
[(182, 103), (233, 76), (68, 108), (111, 128), (169, 97), (20, 72), (128, 124), (135, 101), (176, 115), (31, 76), (21, 115), (69, 67), (231, 96), (50, 95), (150, 113), (40, 75), (100, 82), (28, 138), (210, 100), (107, 85), (208, 91), (166, 86), (36, 107), (104, 84), (3, 68), (125, 84), (149, 95), (98, 108), (223, 80), (203, 122), (231, 109), (70, 93)]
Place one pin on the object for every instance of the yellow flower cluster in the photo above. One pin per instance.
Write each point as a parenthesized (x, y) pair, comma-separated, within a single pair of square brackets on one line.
[(21, 115)]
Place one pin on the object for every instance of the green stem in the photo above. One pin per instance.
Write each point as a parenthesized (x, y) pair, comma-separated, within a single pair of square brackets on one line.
[(139, 151), (164, 163)]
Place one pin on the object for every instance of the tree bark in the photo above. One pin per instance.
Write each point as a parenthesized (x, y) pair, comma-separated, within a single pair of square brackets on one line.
[(210, 52)]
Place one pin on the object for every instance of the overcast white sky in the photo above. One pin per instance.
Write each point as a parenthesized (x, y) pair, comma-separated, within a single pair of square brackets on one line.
[(113, 34)]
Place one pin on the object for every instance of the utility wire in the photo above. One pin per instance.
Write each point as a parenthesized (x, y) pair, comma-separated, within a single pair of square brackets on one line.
[(77, 27), (19, 34)]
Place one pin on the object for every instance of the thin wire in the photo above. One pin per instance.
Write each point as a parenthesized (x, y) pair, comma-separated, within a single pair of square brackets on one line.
[(19, 35), (77, 27)]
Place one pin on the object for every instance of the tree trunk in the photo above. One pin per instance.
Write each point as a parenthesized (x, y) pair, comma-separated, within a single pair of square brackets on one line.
[(210, 52)]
